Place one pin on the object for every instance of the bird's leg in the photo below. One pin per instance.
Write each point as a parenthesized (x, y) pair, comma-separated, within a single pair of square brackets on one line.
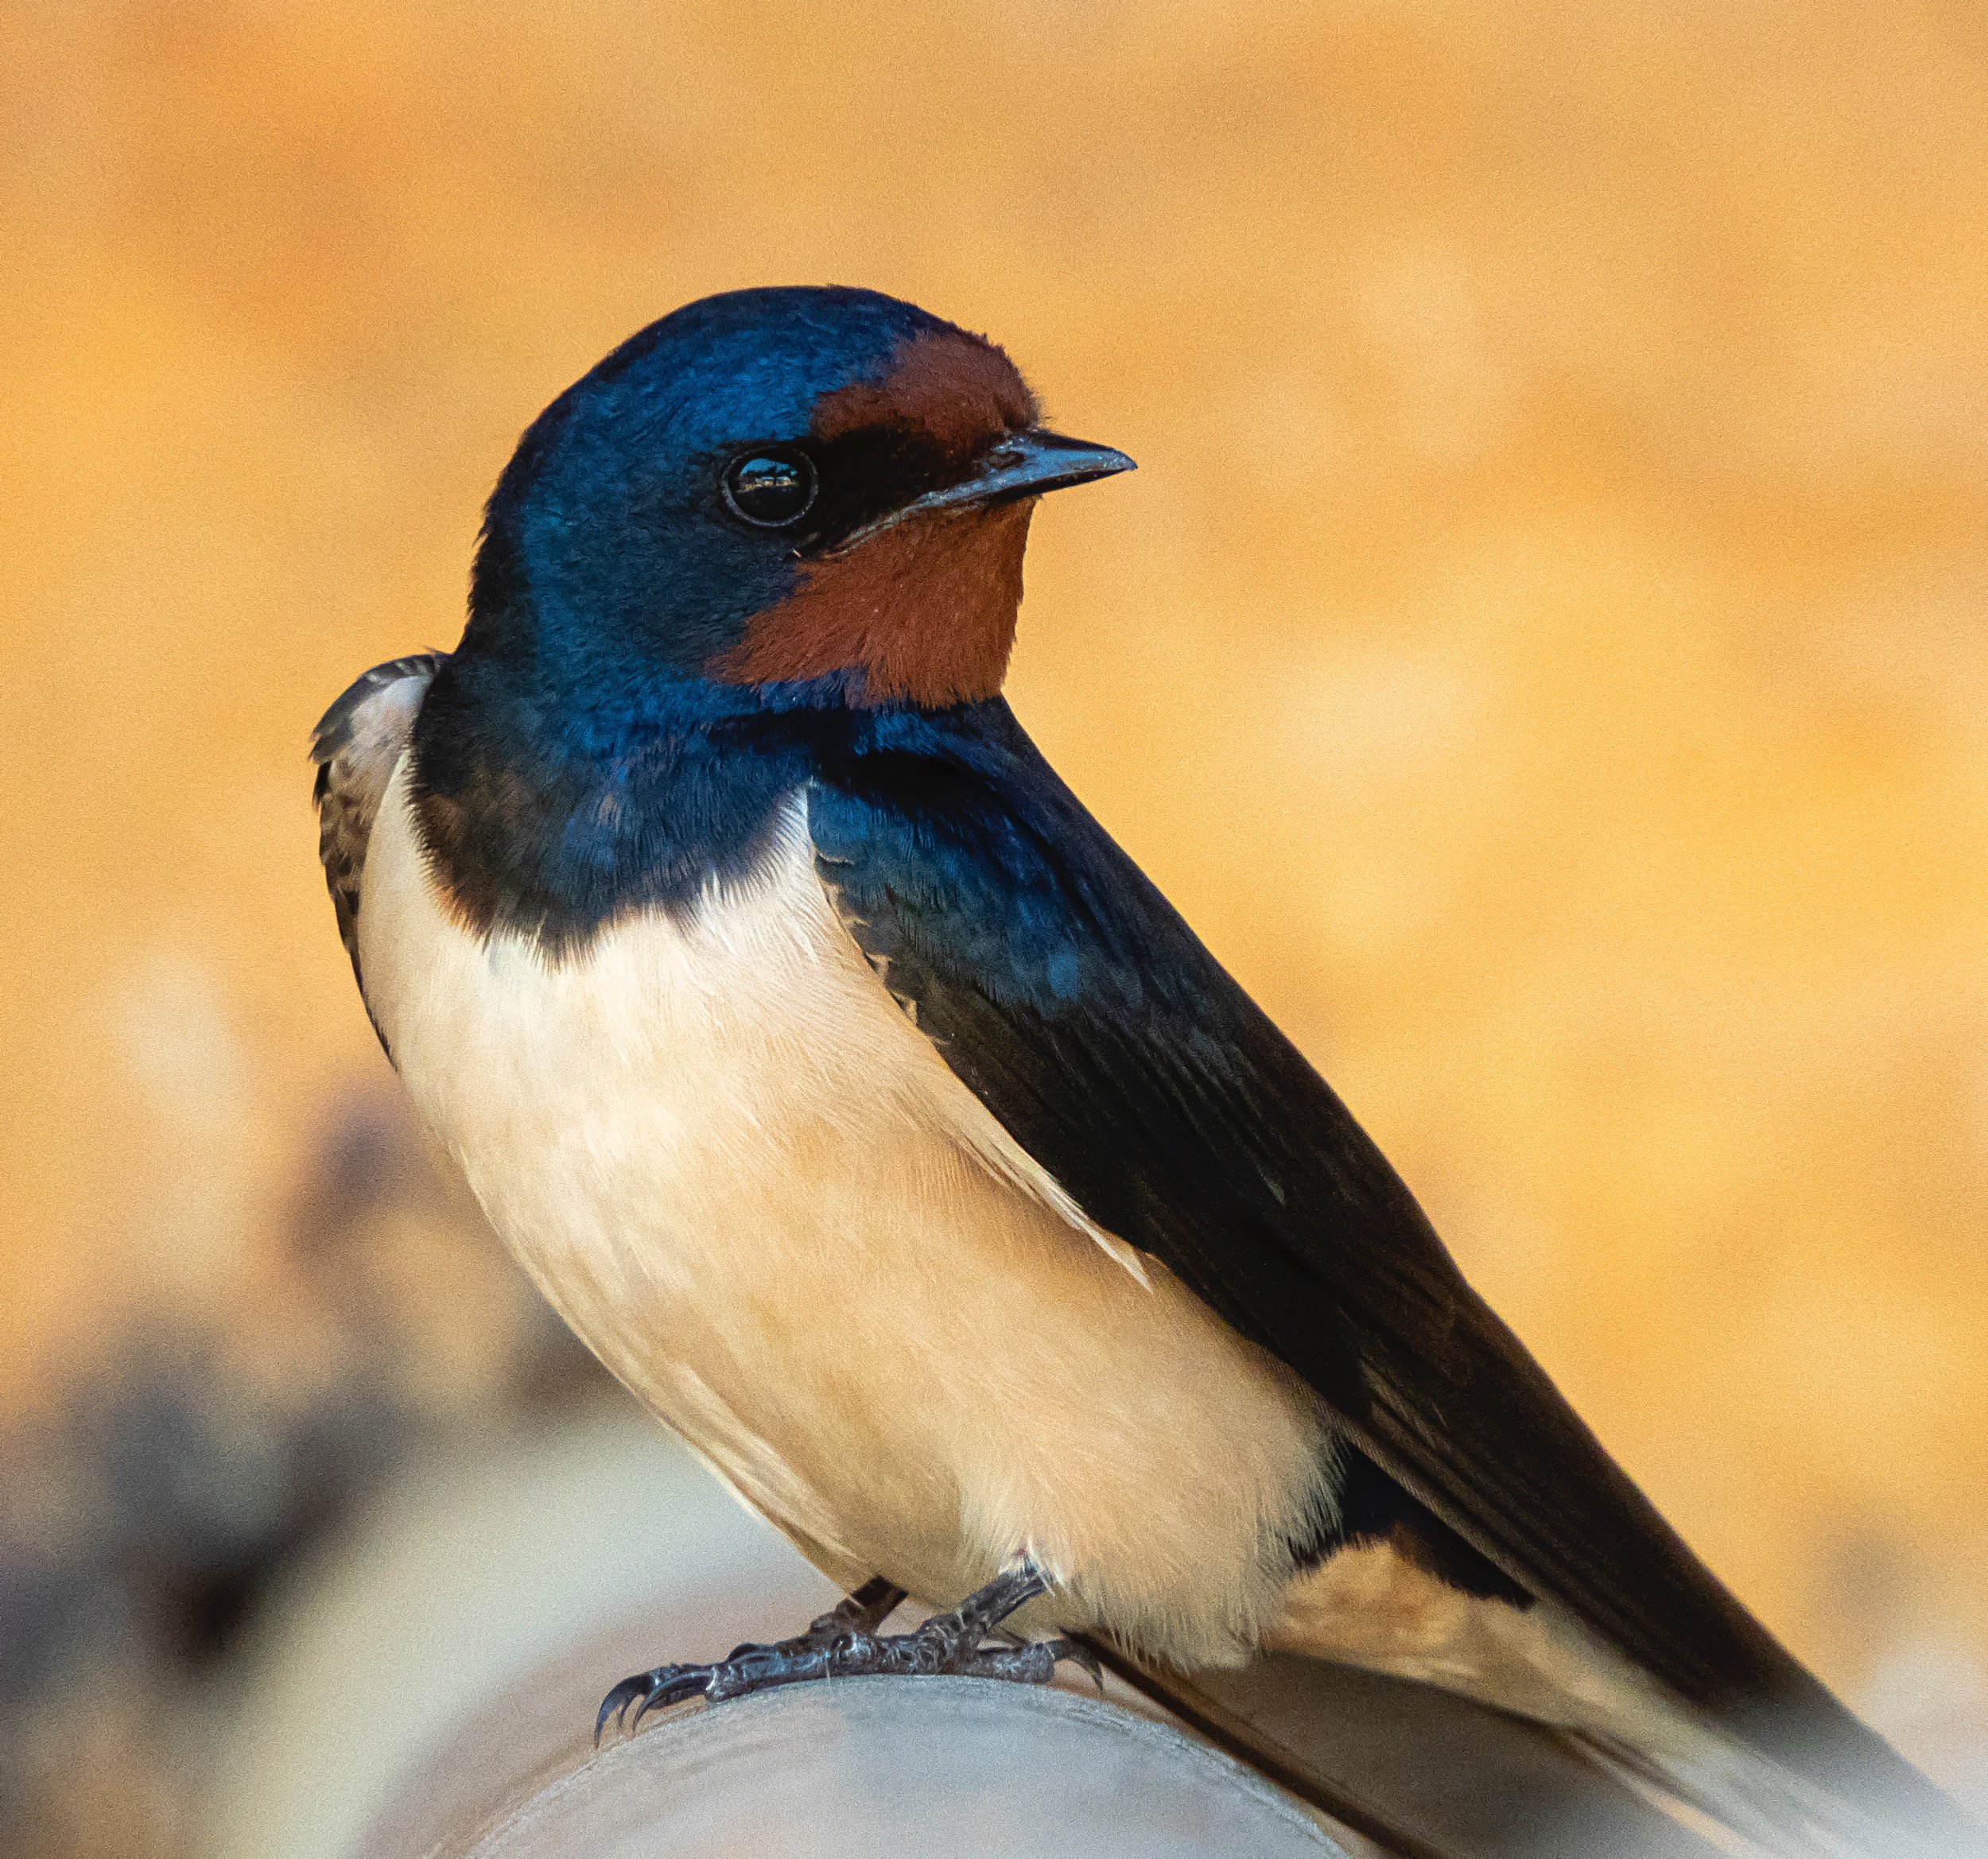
[(863, 1612), (845, 1644)]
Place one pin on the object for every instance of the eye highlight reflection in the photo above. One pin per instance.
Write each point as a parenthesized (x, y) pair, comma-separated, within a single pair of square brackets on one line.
[(770, 490)]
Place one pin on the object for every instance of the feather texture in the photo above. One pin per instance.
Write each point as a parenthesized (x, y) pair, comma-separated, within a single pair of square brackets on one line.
[(356, 744), (1062, 988)]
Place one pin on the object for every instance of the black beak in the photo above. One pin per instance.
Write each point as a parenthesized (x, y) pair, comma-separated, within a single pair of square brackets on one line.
[(1025, 464), (1028, 464)]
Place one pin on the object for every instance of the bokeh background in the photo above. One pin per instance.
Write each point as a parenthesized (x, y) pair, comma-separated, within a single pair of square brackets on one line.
[(1545, 652)]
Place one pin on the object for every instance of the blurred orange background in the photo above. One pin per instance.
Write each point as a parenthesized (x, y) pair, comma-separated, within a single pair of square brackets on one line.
[(1544, 651)]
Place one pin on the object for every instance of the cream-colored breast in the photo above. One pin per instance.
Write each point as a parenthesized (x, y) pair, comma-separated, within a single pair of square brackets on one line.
[(756, 1190)]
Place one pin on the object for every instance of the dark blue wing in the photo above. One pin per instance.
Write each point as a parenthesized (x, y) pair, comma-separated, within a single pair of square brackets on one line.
[(1073, 1000)]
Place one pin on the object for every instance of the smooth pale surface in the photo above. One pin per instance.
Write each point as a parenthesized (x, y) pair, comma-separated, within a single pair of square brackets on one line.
[(474, 1568), (869, 1766)]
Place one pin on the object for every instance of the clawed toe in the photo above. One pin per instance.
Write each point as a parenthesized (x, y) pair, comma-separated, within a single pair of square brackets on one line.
[(1081, 1655), (921, 1654), (648, 1691), (745, 1669), (843, 1644), (616, 1704), (1032, 1663)]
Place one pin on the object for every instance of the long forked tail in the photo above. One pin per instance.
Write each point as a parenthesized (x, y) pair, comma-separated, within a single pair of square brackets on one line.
[(1425, 1773)]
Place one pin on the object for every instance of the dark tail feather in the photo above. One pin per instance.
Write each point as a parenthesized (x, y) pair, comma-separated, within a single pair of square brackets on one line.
[(1425, 1773), (1422, 1772)]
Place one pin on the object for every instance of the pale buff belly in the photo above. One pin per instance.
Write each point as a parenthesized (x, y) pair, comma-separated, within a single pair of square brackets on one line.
[(755, 1191)]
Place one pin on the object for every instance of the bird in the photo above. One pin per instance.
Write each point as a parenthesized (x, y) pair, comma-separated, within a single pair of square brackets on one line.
[(878, 1123)]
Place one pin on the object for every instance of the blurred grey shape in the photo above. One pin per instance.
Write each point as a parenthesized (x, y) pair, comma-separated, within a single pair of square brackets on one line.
[(934, 1766), (472, 1568)]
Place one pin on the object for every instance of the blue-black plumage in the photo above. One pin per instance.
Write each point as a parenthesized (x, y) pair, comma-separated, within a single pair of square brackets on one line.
[(759, 970)]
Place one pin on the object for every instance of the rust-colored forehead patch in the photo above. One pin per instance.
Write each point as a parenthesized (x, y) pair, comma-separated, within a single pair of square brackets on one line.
[(955, 387)]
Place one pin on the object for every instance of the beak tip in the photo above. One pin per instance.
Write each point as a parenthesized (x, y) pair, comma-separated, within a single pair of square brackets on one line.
[(1055, 463)]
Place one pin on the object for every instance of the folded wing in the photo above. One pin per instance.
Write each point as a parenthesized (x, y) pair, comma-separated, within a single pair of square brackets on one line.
[(1063, 989), (356, 746)]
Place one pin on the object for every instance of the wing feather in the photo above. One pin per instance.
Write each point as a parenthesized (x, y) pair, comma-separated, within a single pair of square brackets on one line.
[(355, 745), (1062, 988)]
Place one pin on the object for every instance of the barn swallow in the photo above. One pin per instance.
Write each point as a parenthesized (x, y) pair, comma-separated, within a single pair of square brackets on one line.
[(878, 1123)]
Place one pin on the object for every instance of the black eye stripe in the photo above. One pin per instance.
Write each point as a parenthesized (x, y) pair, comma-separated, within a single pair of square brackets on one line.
[(817, 492), (769, 487)]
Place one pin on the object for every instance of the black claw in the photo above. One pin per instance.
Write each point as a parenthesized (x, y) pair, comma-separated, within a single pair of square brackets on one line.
[(616, 1704), (845, 1643), (644, 1705), (673, 1684), (1077, 1653)]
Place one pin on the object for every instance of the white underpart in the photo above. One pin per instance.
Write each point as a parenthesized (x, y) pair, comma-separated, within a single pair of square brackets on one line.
[(756, 1190), (752, 1186)]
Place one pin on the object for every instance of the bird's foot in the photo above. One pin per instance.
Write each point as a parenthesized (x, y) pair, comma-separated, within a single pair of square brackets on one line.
[(856, 1615), (845, 1644)]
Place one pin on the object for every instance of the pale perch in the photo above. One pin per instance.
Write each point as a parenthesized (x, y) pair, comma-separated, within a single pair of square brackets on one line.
[(865, 1767)]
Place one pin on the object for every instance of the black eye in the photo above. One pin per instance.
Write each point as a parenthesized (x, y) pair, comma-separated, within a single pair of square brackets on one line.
[(770, 489)]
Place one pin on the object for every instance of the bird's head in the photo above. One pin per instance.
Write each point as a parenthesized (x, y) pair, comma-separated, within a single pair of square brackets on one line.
[(808, 489)]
